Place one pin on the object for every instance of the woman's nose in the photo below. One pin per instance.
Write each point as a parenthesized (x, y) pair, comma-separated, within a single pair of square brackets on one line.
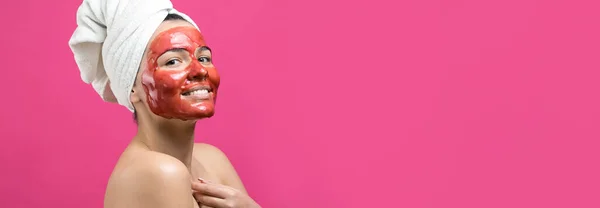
[(197, 71)]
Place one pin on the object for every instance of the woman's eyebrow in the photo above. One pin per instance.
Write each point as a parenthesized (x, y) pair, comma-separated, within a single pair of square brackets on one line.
[(205, 48), (174, 50)]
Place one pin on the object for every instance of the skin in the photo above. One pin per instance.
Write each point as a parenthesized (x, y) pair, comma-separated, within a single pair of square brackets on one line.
[(161, 166)]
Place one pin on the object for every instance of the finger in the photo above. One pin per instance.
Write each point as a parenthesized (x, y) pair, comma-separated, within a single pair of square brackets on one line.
[(210, 201), (203, 180), (212, 189)]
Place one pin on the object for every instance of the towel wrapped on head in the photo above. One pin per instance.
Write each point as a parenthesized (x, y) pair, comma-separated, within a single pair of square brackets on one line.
[(110, 40)]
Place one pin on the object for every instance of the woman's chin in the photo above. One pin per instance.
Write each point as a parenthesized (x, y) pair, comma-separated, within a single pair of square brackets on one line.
[(196, 115), (187, 111)]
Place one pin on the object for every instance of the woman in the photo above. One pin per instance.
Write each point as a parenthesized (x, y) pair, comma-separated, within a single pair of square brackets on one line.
[(175, 86)]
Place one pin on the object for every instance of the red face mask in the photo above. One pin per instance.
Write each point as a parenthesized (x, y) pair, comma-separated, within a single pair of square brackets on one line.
[(181, 81)]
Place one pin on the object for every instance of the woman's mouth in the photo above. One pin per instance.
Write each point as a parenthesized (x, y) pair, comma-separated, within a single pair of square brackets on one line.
[(198, 92)]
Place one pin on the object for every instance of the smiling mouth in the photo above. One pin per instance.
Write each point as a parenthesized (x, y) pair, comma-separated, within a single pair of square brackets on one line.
[(200, 92)]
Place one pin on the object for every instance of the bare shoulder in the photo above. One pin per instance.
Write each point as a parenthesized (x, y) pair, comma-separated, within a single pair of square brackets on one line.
[(149, 179), (218, 161), (209, 153)]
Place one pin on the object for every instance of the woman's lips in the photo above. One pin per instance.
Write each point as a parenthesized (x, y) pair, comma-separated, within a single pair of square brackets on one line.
[(198, 89), (201, 94)]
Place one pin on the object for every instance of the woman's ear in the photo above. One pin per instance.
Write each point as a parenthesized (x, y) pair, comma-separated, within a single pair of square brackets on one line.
[(134, 96)]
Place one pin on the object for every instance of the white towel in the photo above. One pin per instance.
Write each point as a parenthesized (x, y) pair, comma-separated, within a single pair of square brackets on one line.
[(110, 39)]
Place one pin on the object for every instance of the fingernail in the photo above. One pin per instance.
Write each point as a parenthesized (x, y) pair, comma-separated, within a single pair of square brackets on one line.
[(201, 180)]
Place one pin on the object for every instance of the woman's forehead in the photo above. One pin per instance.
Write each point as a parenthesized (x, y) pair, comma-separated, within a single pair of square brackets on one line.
[(167, 25), (174, 34)]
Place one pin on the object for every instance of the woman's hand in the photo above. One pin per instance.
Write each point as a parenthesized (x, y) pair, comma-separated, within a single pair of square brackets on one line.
[(221, 196)]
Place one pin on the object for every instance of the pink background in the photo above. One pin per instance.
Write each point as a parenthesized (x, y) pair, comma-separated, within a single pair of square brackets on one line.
[(418, 103)]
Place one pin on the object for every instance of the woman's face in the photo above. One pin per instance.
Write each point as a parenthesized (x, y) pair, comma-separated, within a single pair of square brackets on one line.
[(179, 80)]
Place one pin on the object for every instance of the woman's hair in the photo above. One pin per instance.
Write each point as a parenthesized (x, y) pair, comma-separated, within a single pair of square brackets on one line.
[(168, 18), (135, 116), (174, 17)]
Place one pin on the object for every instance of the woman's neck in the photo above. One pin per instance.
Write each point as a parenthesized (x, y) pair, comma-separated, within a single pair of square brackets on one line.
[(172, 137)]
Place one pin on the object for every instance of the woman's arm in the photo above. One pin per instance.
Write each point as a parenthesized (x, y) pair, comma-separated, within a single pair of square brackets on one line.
[(155, 181)]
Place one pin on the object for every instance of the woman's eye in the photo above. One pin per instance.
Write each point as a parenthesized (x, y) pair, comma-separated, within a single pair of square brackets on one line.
[(204, 59), (172, 62)]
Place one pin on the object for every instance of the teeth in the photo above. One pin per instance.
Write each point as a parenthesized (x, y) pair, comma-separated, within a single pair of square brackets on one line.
[(199, 92)]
